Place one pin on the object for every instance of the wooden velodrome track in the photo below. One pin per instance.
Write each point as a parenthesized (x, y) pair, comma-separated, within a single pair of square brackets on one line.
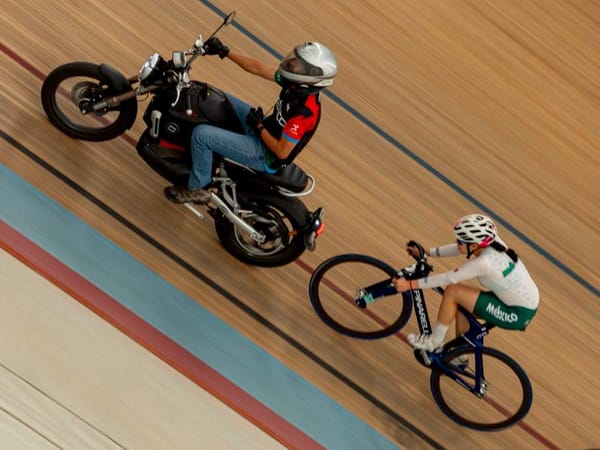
[(440, 109)]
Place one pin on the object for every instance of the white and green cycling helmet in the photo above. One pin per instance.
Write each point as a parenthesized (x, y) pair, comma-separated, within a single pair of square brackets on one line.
[(475, 229)]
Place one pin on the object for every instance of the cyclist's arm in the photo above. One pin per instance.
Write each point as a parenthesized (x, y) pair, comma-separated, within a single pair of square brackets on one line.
[(281, 148), (444, 250), (471, 269), (292, 133)]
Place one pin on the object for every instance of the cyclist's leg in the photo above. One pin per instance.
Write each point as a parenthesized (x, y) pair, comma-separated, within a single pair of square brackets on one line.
[(206, 139), (493, 310), (461, 324), (241, 109), (454, 295)]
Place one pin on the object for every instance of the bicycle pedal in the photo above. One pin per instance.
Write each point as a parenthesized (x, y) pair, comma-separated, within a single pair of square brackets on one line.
[(422, 357)]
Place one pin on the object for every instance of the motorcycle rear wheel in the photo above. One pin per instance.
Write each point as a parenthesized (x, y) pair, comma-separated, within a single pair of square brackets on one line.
[(275, 216), (71, 87)]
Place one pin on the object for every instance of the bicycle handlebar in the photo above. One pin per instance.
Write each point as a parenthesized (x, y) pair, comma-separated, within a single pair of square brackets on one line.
[(421, 268), (420, 249)]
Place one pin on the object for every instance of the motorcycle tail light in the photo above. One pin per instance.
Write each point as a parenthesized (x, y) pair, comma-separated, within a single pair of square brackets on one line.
[(320, 228), (318, 225)]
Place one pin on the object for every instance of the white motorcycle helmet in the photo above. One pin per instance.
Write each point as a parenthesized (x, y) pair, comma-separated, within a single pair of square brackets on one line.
[(475, 229), (310, 63)]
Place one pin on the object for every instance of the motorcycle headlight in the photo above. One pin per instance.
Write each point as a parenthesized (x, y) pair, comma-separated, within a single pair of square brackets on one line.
[(149, 68)]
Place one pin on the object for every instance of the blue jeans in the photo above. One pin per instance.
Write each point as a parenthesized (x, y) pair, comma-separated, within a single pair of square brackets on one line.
[(246, 149)]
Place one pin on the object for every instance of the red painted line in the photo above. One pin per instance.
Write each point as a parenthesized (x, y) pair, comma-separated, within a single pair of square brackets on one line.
[(153, 340), (20, 61), (41, 76)]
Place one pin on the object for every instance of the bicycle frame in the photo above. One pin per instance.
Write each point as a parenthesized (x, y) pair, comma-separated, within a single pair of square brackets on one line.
[(473, 336)]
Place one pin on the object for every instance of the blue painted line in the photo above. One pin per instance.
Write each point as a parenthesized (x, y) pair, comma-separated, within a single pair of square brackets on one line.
[(428, 167), (145, 293)]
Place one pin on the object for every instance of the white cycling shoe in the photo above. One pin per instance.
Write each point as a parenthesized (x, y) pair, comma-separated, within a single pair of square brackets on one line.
[(424, 342)]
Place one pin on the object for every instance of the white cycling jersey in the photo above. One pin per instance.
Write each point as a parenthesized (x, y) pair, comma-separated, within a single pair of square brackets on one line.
[(495, 271)]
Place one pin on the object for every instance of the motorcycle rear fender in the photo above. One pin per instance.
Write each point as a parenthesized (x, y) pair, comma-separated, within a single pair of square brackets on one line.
[(121, 85)]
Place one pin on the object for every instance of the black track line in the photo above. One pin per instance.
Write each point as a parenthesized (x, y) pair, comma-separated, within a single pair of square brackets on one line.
[(221, 290)]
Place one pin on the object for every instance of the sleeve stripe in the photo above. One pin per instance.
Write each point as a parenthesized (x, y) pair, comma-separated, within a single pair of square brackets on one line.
[(290, 138)]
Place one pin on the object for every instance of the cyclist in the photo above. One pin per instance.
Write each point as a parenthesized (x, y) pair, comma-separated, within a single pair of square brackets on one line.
[(511, 298), (268, 143)]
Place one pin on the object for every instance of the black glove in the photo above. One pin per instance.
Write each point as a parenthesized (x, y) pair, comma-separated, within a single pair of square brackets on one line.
[(255, 117), (214, 46)]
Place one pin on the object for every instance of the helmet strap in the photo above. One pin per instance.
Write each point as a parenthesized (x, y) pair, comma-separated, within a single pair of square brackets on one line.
[(469, 251)]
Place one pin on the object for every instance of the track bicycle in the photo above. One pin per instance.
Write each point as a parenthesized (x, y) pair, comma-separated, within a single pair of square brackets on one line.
[(478, 387)]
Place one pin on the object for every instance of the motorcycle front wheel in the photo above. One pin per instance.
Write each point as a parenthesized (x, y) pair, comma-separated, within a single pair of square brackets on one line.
[(70, 91), (277, 218)]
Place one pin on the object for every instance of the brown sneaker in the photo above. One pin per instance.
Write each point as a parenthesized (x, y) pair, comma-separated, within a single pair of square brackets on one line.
[(181, 194)]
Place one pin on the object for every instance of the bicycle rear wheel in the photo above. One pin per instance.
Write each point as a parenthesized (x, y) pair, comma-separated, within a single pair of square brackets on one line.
[(333, 288), (504, 398)]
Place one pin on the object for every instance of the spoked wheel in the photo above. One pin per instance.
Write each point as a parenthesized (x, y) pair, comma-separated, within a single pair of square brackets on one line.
[(69, 93), (504, 398), (337, 282)]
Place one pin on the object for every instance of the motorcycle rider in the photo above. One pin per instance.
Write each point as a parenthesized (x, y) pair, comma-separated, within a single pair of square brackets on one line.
[(512, 297), (268, 143)]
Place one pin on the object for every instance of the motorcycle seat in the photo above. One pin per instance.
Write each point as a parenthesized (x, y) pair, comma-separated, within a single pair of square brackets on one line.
[(291, 177)]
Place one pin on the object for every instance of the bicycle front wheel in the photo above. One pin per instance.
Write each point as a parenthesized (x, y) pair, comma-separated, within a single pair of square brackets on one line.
[(503, 399), (334, 286)]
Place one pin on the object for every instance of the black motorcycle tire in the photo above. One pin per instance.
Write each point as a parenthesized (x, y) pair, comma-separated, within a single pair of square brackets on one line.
[(292, 209), (89, 70)]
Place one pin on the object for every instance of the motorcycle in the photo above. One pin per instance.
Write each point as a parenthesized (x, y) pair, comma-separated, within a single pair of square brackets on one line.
[(259, 217)]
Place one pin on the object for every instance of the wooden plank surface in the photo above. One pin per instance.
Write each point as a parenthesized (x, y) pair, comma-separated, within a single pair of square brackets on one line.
[(499, 98), (93, 387)]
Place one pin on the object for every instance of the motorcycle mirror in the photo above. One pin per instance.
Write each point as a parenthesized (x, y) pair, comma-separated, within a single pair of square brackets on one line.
[(227, 21), (229, 18)]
